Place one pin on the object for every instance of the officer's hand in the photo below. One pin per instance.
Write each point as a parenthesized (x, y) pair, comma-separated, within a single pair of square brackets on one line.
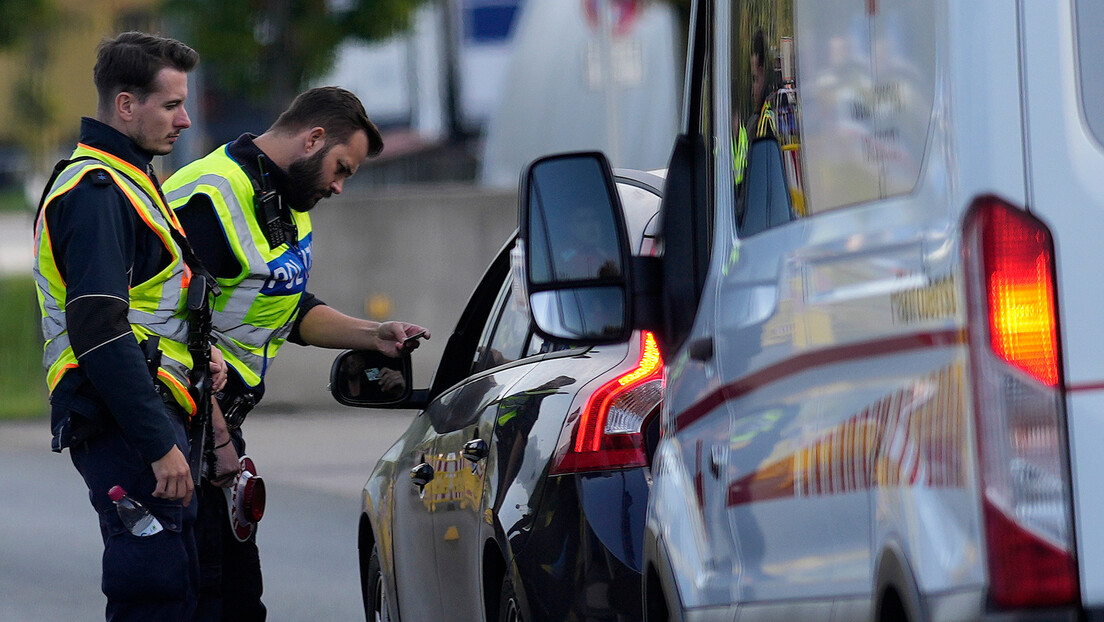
[(174, 477), (392, 334), (218, 369)]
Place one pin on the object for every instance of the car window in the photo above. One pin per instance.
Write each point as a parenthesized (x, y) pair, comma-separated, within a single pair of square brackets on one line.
[(478, 364), (506, 338)]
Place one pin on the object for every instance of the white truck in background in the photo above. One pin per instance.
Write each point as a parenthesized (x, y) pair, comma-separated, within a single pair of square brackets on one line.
[(879, 304)]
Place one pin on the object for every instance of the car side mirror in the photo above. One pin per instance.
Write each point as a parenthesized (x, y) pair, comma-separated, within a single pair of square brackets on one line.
[(369, 378), (574, 250)]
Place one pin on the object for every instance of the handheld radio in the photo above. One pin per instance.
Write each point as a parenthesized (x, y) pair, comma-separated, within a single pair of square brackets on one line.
[(268, 206)]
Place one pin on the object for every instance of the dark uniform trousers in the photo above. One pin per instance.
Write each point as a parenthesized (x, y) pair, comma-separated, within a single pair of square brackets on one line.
[(230, 570), (144, 578)]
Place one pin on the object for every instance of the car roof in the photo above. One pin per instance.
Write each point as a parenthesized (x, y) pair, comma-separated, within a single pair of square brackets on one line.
[(640, 192)]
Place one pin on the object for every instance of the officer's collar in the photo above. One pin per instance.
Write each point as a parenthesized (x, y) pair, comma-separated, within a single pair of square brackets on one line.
[(245, 152), (106, 138)]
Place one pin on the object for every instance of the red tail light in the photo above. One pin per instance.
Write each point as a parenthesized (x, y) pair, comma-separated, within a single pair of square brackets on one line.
[(607, 432), (1023, 328), (1022, 447)]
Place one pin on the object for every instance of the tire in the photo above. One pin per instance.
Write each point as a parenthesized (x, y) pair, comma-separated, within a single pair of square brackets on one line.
[(375, 600), (509, 606)]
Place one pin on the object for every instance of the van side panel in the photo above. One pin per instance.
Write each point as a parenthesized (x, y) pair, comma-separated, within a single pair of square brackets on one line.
[(1066, 163)]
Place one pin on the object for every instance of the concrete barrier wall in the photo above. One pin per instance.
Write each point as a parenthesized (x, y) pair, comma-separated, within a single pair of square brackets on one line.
[(416, 251)]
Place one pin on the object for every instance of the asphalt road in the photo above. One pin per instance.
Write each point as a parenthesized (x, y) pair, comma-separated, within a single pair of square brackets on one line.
[(314, 465)]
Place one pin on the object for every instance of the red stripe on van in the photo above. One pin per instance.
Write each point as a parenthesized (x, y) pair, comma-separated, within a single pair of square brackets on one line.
[(809, 360), (1085, 386), (895, 441)]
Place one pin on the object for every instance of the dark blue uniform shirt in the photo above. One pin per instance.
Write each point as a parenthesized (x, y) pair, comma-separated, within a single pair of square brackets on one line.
[(102, 248)]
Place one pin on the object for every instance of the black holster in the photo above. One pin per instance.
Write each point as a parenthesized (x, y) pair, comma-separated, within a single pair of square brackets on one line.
[(236, 407)]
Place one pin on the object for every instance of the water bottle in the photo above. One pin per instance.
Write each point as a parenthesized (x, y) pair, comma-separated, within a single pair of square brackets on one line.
[(133, 514)]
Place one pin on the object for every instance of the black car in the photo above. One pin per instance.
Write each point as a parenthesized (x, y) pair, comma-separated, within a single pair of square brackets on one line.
[(520, 490)]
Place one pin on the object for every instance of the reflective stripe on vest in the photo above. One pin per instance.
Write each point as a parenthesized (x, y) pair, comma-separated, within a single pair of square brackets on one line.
[(766, 121), (156, 306), (254, 314)]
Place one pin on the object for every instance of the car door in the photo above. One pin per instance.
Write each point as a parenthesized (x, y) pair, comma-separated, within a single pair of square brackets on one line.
[(416, 588), (422, 478), (464, 419)]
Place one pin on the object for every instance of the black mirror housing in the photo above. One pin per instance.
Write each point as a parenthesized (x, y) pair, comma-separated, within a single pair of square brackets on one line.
[(367, 378), (576, 257)]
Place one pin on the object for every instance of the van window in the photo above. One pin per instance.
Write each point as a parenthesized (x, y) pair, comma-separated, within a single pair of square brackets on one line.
[(902, 99), (846, 87), (1090, 49), (764, 106)]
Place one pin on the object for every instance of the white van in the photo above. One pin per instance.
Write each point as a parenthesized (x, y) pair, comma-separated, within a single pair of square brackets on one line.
[(879, 306)]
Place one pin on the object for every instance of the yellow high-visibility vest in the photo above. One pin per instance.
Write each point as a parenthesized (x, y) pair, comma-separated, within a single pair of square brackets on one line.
[(158, 306), (253, 315)]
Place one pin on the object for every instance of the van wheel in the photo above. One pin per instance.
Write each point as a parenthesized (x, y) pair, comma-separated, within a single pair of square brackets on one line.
[(375, 602), (892, 609), (655, 604), (509, 607)]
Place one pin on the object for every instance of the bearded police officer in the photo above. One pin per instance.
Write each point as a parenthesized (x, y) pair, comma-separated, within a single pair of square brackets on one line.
[(112, 271), (245, 208)]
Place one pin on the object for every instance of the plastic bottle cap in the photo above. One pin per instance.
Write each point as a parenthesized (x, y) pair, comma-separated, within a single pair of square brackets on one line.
[(116, 493)]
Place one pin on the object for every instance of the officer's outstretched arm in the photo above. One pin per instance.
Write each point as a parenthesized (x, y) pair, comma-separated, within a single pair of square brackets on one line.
[(326, 327)]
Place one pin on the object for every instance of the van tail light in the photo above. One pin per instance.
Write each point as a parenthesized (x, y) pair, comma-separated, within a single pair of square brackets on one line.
[(1019, 405), (607, 432)]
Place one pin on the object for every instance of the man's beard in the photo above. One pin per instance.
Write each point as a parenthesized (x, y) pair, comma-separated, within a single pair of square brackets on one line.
[(305, 181)]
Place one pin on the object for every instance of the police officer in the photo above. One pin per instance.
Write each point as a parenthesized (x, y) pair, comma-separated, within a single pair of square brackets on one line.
[(245, 207), (112, 276)]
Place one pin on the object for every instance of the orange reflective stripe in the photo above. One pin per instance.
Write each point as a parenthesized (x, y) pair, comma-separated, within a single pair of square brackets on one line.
[(61, 372), (180, 389), (115, 159), (168, 213)]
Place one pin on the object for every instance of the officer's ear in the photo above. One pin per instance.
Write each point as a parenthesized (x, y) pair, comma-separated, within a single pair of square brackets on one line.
[(314, 140), (124, 105)]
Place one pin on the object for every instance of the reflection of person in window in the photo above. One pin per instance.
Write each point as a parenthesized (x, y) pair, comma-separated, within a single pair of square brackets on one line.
[(761, 123), (586, 254)]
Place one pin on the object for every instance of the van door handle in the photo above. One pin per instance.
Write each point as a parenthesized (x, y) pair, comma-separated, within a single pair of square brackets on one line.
[(701, 349), (717, 458)]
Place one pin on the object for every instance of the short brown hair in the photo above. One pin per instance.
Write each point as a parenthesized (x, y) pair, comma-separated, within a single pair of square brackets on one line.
[(131, 61), (335, 110)]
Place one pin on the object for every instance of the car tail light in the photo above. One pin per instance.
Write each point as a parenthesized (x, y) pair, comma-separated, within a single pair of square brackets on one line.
[(607, 432), (1022, 448)]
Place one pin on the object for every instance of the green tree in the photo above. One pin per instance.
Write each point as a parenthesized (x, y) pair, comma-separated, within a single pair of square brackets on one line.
[(267, 50), (20, 18)]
